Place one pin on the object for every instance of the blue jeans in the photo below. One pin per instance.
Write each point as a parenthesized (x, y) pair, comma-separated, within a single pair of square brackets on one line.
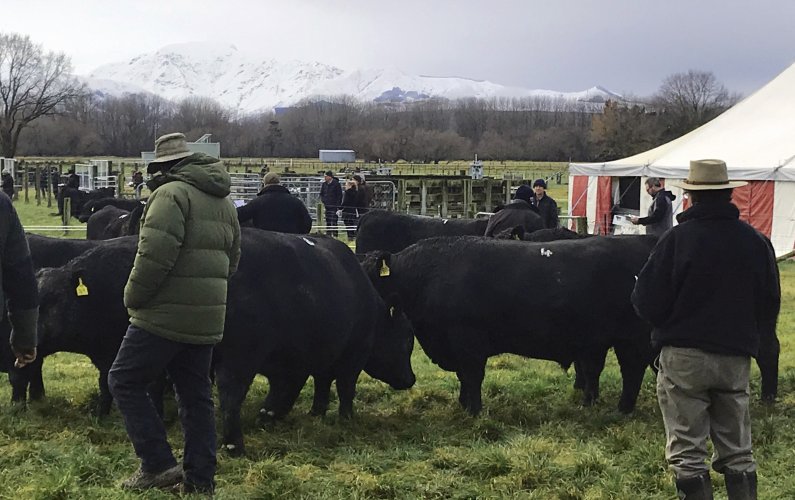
[(142, 358)]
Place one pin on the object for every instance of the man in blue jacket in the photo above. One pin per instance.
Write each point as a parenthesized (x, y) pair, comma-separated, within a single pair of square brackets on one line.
[(331, 196)]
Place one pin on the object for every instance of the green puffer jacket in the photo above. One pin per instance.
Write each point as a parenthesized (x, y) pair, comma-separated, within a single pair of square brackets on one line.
[(188, 247)]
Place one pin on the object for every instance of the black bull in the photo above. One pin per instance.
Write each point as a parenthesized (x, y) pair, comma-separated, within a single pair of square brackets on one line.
[(298, 306), (471, 298), (392, 231)]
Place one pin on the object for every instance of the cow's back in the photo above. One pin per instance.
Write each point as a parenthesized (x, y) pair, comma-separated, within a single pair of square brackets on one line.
[(392, 231)]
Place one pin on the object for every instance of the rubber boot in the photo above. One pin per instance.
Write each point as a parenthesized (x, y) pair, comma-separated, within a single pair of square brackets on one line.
[(694, 488), (741, 486)]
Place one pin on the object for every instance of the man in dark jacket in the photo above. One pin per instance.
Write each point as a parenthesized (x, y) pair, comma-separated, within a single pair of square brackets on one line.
[(707, 287), (660, 218), (331, 197), (275, 209), (519, 212), (7, 184), (545, 205), (188, 247), (19, 295)]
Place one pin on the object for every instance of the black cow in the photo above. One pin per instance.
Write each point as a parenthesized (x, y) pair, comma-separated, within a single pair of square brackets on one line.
[(275, 299), (392, 231), (55, 252), (94, 205), (112, 222), (94, 323), (471, 298), (301, 306), (106, 223)]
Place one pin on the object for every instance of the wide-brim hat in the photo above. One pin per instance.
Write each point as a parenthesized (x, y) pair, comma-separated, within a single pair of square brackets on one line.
[(707, 175), (170, 147)]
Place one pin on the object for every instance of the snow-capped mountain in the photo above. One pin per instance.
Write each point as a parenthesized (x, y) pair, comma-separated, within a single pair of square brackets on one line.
[(249, 84)]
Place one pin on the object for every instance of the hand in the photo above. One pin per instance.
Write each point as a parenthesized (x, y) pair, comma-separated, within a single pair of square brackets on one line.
[(633, 219), (24, 358)]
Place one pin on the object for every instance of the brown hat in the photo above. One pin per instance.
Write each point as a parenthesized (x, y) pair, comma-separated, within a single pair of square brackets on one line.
[(171, 147), (270, 178), (707, 175)]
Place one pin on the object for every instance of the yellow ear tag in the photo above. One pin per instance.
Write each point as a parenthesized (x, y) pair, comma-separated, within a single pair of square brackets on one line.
[(384, 269), (81, 289), (516, 237)]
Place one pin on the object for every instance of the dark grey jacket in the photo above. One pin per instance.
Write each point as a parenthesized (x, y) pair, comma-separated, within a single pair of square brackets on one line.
[(660, 218), (20, 293)]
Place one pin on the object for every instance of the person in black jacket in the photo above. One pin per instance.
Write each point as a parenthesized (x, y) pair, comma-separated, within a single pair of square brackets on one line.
[(331, 197), (708, 287), (19, 296), (545, 205), (660, 218), (519, 212), (350, 207), (275, 209), (364, 194), (7, 184)]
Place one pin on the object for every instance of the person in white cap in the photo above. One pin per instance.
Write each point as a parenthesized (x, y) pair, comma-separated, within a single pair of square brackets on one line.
[(708, 289)]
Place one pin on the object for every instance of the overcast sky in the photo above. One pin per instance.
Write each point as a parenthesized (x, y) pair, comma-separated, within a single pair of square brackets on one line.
[(627, 46)]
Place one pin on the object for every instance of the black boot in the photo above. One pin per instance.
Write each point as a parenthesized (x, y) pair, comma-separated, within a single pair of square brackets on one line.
[(694, 488), (741, 486)]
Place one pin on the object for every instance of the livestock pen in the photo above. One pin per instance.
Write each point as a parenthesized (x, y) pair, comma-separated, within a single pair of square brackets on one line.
[(533, 439)]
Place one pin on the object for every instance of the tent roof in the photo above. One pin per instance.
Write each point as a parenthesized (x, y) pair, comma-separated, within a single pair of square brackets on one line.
[(756, 139)]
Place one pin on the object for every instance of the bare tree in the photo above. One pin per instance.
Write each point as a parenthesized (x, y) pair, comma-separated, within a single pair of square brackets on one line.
[(688, 100), (32, 84)]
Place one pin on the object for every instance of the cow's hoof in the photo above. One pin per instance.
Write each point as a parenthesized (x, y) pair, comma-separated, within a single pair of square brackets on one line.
[(234, 450), (626, 408), (769, 399), (267, 416), (588, 400), (318, 412)]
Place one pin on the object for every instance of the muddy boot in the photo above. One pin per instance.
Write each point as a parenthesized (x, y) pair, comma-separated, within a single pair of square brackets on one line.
[(741, 486), (145, 480), (694, 488)]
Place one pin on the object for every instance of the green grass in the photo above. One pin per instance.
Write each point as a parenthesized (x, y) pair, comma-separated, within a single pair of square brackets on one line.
[(533, 439)]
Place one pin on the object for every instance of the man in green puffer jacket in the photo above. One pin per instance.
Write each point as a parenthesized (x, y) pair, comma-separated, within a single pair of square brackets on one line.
[(189, 245)]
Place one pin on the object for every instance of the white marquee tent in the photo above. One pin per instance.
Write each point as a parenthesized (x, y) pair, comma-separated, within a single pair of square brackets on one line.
[(756, 139)]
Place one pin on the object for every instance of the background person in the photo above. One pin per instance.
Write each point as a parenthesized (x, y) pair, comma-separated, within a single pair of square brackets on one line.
[(276, 209), (519, 212), (188, 247), (7, 184), (708, 286), (331, 197), (350, 207), (545, 205), (660, 218)]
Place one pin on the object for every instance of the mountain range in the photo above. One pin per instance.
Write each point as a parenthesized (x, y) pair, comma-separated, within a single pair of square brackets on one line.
[(248, 84)]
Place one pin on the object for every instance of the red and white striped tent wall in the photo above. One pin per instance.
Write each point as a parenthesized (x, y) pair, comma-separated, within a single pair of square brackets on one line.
[(756, 139)]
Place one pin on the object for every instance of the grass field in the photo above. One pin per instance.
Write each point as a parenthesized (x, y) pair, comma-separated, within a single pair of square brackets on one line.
[(533, 439)]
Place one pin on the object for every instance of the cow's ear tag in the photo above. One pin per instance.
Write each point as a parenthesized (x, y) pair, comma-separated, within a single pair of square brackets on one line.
[(384, 269), (516, 237), (392, 312), (82, 290)]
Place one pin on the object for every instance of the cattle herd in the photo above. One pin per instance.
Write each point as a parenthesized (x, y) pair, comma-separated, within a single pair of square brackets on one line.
[(302, 306)]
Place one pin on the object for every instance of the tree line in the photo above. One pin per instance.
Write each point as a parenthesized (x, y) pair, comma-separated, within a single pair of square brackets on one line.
[(47, 112)]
